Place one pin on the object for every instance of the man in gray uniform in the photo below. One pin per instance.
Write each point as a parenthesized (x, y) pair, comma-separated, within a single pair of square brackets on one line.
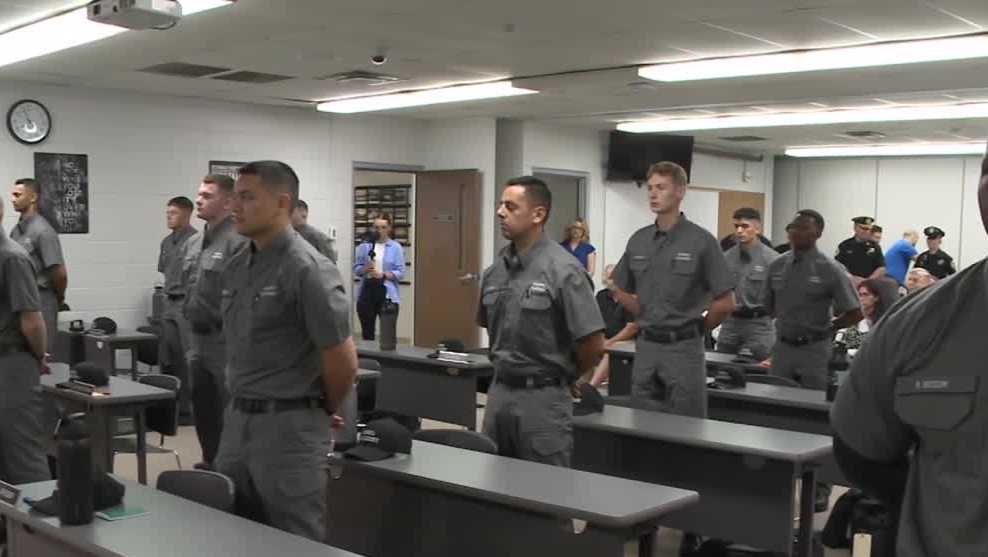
[(207, 254), (22, 353), (311, 234), (910, 419), (40, 240), (292, 361), (749, 329), (545, 328), (805, 288), (174, 327), (670, 273)]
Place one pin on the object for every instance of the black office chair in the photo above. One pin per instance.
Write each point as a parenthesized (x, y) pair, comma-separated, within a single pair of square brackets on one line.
[(459, 438), (367, 390), (148, 350), (201, 486), (772, 380), (161, 418)]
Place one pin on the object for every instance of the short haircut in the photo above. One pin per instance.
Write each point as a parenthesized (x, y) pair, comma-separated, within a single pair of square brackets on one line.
[(29, 183), (274, 175), (812, 215), (180, 202), (301, 205), (536, 191), (223, 182), (748, 213), (668, 169)]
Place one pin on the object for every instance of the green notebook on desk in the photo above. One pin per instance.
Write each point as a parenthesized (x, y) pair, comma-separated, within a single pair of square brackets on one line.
[(121, 512)]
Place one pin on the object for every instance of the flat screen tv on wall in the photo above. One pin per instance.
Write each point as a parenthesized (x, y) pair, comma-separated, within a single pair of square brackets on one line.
[(631, 154)]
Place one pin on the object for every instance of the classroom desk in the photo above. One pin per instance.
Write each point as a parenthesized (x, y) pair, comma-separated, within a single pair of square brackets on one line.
[(414, 385), (623, 358), (127, 398), (446, 501), (745, 475), (102, 349), (173, 526)]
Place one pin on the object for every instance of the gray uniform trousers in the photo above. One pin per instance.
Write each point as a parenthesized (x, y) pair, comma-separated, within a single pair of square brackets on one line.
[(173, 350), (531, 424), (757, 335), (49, 310), (22, 436), (673, 376), (806, 364), (207, 364), (278, 463)]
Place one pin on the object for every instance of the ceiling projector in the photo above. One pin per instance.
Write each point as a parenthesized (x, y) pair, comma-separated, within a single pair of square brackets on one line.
[(136, 14)]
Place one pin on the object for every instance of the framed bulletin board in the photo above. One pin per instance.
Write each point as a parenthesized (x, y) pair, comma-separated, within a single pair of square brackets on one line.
[(64, 199)]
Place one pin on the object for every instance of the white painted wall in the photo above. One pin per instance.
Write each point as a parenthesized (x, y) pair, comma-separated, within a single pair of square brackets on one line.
[(901, 193), (142, 151)]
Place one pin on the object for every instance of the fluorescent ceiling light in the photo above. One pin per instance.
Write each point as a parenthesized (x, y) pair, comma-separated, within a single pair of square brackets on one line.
[(852, 115), (454, 93), (883, 54), (900, 150), (69, 30)]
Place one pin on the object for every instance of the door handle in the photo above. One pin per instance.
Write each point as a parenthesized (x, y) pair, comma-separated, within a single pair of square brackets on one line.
[(468, 277)]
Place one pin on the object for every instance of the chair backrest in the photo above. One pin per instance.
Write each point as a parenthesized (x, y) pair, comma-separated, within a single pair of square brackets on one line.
[(162, 417), (202, 486), (772, 380), (459, 438)]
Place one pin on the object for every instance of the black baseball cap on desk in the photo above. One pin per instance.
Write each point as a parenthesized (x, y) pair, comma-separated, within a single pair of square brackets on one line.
[(381, 439)]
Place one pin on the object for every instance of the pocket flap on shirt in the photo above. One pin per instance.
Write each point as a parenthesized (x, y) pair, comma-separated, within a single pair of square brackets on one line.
[(940, 403), (638, 262)]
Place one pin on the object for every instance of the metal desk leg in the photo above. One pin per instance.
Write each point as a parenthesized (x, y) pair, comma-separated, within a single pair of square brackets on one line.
[(133, 362), (646, 543), (807, 500), (142, 449)]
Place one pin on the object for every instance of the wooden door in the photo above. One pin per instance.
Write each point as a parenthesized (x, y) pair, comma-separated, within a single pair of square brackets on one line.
[(730, 201), (447, 256)]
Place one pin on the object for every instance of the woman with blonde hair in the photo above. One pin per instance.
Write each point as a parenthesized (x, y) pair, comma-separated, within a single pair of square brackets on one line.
[(577, 242)]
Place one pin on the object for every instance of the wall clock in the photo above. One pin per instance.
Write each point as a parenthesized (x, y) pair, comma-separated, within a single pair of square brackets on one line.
[(29, 122)]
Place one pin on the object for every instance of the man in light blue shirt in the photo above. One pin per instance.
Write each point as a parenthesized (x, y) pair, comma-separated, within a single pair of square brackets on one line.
[(380, 264), (898, 257)]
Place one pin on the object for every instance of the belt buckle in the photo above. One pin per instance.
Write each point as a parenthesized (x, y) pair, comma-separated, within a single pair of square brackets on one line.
[(803, 340), (529, 382)]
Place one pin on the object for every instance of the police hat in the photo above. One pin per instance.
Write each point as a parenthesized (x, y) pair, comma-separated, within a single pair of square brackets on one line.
[(381, 439), (863, 221), (104, 324), (876, 228), (932, 232), (811, 214)]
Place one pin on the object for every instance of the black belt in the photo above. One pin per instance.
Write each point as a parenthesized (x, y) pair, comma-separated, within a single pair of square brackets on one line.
[(803, 340), (669, 336), (529, 381), (273, 406), (749, 313), (175, 297)]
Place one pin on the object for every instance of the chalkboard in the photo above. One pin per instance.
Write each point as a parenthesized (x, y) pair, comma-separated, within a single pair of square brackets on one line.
[(64, 200)]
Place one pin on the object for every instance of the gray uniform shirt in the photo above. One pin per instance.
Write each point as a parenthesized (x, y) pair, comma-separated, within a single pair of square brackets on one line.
[(18, 293), (919, 384), (281, 307), (320, 241), (805, 290), (170, 260), (535, 307), (675, 274), (207, 255), (40, 240), (749, 267)]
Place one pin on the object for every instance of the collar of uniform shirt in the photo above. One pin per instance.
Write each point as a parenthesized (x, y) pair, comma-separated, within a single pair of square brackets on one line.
[(210, 232), (524, 259), (278, 245), (26, 220), (179, 236), (798, 256), (679, 224)]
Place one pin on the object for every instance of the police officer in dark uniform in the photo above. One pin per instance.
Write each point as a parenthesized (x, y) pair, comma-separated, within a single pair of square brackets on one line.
[(291, 360), (910, 420), (22, 353), (207, 254), (670, 273), (545, 328), (860, 255), (936, 261)]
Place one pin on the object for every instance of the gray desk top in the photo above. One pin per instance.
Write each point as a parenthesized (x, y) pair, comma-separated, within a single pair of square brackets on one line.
[(122, 391), (415, 354), (776, 444), (363, 374), (807, 399), (603, 500), (626, 349), (174, 526), (123, 335)]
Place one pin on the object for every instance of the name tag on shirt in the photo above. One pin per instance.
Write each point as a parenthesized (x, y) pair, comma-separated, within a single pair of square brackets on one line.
[(684, 256), (815, 280), (217, 255), (758, 268), (538, 289), (272, 290)]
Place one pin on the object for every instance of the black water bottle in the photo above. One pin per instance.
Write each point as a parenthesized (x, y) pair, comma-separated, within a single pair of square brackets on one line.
[(75, 471), (389, 326), (838, 363)]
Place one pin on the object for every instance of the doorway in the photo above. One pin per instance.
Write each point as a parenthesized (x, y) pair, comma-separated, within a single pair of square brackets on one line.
[(569, 200)]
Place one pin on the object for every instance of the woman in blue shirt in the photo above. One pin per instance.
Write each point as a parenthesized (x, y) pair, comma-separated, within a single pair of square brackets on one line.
[(380, 264), (577, 242)]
